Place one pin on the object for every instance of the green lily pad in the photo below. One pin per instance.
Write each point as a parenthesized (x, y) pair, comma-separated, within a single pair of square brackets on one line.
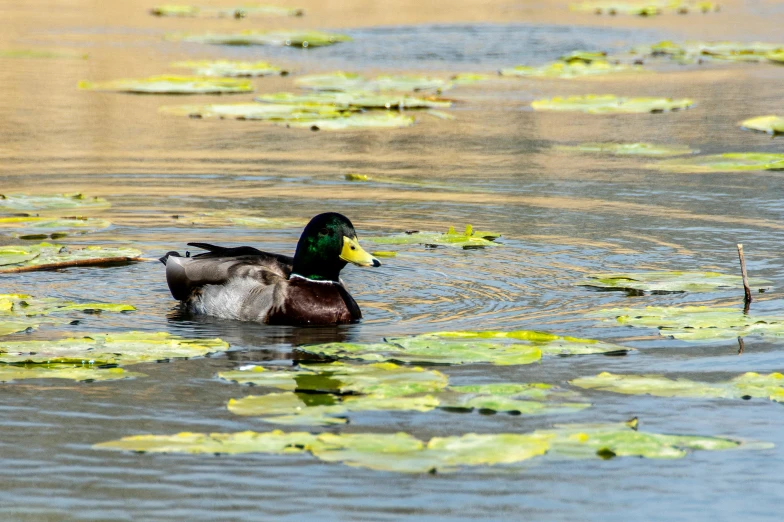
[(401, 452), (697, 323), (573, 69), (351, 82), (292, 38), (47, 256), (228, 68), (467, 240), (41, 53), (30, 225), (748, 385), (255, 111), (242, 11), (584, 57), (628, 149), (357, 120), (776, 56), (171, 84), (694, 52), (357, 99), (28, 306), (549, 344), (729, 162), (675, 281), (645, 8), (114, 348), (26, 203), (771, 124), (15, 326), (610, 104), (10, 373)]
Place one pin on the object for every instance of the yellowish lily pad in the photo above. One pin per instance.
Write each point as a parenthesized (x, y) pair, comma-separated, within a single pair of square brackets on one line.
[(728, 162), (227, 68), (771, 124), (644, 8), (467, 240), (254, 111), (357, 99), (114, 348), (693, 52), (675, 281), (28, 306), (352, 82), (10, 373), (171, 84), (292, 38), (222, 218), (610, 104), (568, 70), (32, 226), (628, 149), (249, 10), (27, 203), (549, 344), (47, 256), (15, 326)]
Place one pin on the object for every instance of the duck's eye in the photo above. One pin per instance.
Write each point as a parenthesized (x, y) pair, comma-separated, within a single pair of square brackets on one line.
[(324, 232)]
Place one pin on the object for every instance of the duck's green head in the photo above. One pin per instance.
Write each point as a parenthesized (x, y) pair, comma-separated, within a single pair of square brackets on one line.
[(327, 244)]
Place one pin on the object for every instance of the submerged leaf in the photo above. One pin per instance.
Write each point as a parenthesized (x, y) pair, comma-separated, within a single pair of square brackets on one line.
[(170, 84), (572, 69), (27, 203), (46, 256), (771, 124), (357, 120), (675, 281), (114, 348), (628, 149), (224, 12), (748, 385), (351, 82), (697, 323), (466, 240), (609, 104), (356, 99), (293, 38), (229, 68), (729, 162), (9, 373)]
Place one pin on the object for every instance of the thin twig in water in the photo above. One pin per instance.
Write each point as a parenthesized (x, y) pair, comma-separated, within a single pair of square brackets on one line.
[(747, 299), (741, 346)]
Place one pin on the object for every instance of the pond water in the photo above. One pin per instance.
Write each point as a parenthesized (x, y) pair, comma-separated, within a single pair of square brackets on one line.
[(561, 216)]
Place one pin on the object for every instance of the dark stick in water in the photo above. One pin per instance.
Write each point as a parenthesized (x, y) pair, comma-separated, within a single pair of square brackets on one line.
[(741, 346), (747, 300)]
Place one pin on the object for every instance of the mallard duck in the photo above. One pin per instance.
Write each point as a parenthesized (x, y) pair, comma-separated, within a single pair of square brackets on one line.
[(250, 285)]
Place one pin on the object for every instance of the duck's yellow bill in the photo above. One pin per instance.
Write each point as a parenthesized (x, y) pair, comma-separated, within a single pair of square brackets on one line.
[(353, 253)]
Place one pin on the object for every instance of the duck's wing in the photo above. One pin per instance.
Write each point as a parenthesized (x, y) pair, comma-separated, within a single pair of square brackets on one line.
[(221, 265)]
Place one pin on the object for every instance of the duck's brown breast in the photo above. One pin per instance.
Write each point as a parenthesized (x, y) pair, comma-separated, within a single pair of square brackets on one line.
[(315, 303)]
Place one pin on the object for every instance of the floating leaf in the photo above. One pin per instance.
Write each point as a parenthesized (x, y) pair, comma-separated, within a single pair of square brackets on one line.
[(358, 120), (610, 104), (293, 38), (15, 326), (27, 306), (220, 218), (694, 52), (170, 84), (228, 68), (549, 344), (351, 82), (46, 256), (746, 386), (697, 323), (467, 240), (401, 452), (24, 202), (356, 99), (584, 57), (645, 8), (729, 162), (771, 124), (675, 281), (224, 12), (255, 111), (33, 224), (115, 348), (9, 373), (628, 149), (568, 70), (776, 56)]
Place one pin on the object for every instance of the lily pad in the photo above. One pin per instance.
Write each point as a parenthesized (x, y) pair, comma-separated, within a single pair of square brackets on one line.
[(568, 70), (467, 240), (16, 326), (255, 111), (28, 306), (242, 11), (10, 373), (695, 52), (29, 225), (610, 104), (27, 203), (549, 344), (220, 218), (357, 99), (729, 162), (675, 281), (584, 57), (401, 452), (228, 68), (352, 82), (47, 256), (357, 120), (293, 38), (746, 386), (776, 56), (170, 84), (628, 149), (645, 8), (114, 348), (697, 323), (771, 124)]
